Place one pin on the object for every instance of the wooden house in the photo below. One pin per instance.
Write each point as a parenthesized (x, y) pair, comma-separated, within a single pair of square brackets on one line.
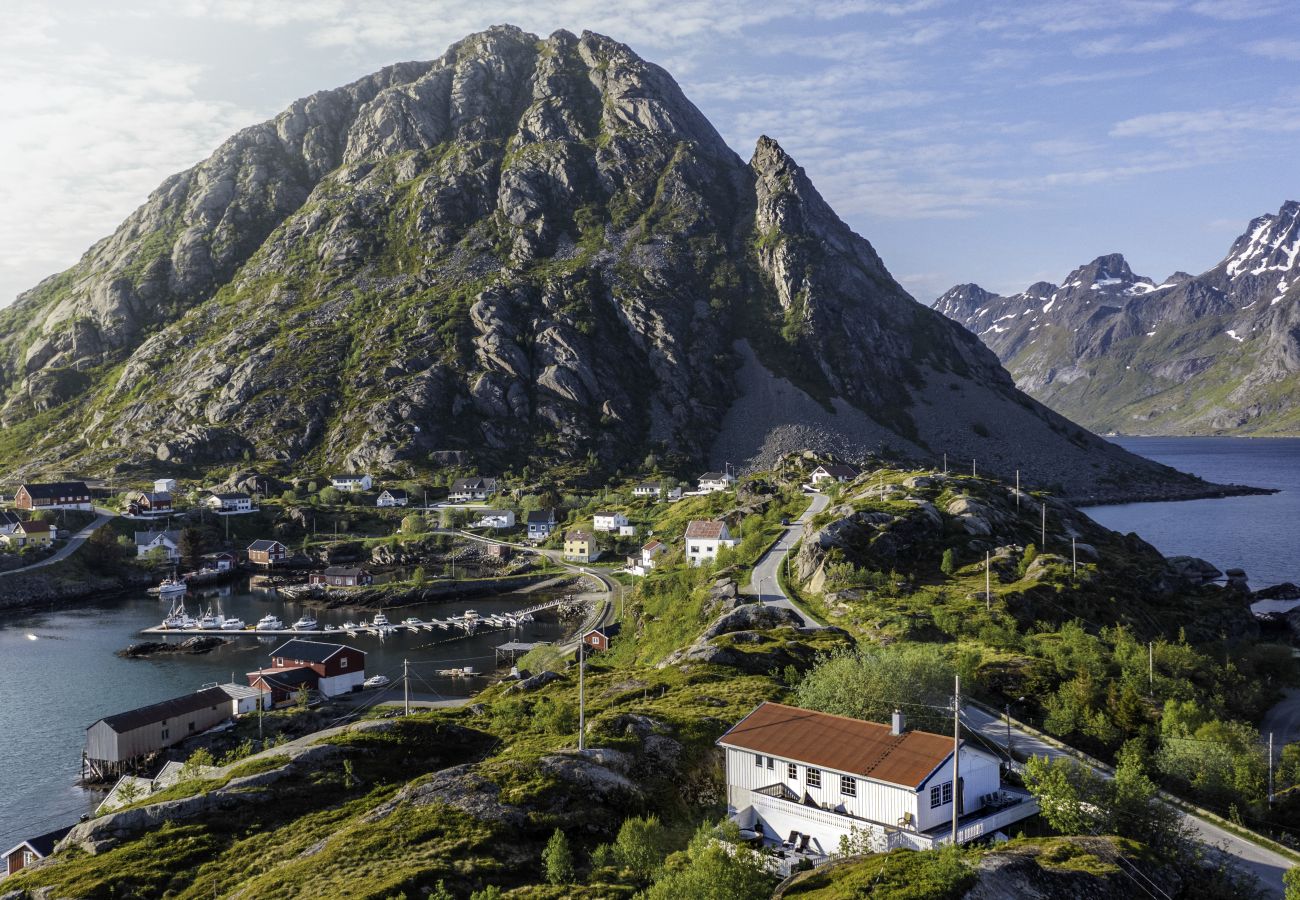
[(169, 542), (342, 576), (597, 639), (53, 495), (648, 489), (833, 473), (32, 849), (476, 489), (711, 482), (704, 540), (267, 553), (608, 521), (116, 743), (229, 504), (282, 686), (541, 524), (340, 669), (353, 484), (390, 497), (32, 533), (580, 546), (149, 503)]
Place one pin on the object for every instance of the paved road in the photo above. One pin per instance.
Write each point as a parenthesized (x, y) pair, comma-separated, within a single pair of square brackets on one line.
[(1260, 861), (74, 542), (764, 584)]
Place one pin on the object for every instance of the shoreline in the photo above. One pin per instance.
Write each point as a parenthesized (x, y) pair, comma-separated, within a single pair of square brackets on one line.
[(1210, 492)]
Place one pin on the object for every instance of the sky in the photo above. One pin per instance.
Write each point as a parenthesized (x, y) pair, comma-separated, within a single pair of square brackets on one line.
[(1001, 143)]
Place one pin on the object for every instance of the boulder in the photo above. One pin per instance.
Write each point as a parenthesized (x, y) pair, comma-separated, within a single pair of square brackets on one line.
[(1192, 569), (532, 683)]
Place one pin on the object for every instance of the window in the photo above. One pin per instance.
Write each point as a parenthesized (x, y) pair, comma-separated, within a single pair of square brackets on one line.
[(814, 777), (848, 786), (791, 770), (771, 763), (191, 728), (28, 857), (947, 792), (343, 662), (934, 797), (758, 760), (166, 734), (695, 548)]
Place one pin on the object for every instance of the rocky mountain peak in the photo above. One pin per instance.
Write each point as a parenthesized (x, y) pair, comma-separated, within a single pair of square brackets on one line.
[(1270, 244), (963, 300)]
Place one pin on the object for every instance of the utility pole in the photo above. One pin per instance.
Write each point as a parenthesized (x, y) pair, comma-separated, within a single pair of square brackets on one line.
[(1151, 666), (1270, 768), (988, 581), (1017, 490), (956, 753), (1042, 541), (1074, 555), (945, 464), (406, 686), (972, 468), (1008, 712), (582, 709)]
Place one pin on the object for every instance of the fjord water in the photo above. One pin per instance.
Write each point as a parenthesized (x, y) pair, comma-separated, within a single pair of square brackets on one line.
[(60, 674), (1255, 533)]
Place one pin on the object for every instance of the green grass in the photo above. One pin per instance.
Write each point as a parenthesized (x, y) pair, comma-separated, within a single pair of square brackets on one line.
[(900, 875)]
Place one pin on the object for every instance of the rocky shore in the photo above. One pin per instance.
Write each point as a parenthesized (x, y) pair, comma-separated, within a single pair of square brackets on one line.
[(194, 646), (53, 585)]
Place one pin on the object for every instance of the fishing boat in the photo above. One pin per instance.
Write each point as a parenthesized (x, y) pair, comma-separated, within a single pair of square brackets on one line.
[(232, 624), (208, 621), (306, 623), (270, 622), (178, 619), (380, 620), (171, 587)]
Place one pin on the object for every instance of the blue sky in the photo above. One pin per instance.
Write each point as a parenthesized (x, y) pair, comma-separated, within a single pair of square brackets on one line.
[(1001, 143)]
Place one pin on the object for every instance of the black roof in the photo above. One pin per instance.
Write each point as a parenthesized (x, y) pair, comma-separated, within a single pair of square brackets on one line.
[(541, 517), (395, 493), (234, 495), (167, 709), (473, 484), (345, 571), (609, 630), (58, 489), (288, 678), (309, 651), (43, 845), (264, 545)]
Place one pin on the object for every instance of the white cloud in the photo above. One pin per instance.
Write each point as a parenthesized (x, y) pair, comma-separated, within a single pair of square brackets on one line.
[(1276, 48)]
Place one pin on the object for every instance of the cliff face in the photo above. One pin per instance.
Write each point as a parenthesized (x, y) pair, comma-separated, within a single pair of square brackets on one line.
[(1215, 353), (530, 251)]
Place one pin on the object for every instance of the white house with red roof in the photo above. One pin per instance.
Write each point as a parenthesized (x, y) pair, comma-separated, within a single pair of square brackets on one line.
[(804, 780), (704, 539)]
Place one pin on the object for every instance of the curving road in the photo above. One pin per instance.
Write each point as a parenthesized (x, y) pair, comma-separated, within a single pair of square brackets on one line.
[(1264, 863), (73, 544), (764, 584)]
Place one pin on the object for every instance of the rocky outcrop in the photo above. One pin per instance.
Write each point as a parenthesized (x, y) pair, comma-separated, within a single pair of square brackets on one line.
[(195, 645), (527, 251)]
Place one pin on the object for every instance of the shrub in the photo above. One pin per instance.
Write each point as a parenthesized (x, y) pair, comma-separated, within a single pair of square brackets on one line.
[(949, 563), (558, 859)]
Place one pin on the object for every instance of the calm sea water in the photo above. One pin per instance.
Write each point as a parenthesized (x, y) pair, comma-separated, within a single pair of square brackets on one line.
[(60, 674), (1255, 533)]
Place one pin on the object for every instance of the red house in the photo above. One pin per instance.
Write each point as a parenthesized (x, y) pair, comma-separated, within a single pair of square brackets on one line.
[(267, 553), (32, 849), (55, 495), (284, 684), (598, 638), (341, 576), (338, 667)]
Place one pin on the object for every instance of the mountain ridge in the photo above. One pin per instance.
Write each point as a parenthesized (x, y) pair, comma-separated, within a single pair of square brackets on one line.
[(525, 252), (1215, 353)]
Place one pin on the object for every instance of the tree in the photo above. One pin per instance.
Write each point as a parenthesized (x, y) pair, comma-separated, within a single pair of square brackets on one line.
[(491, 892), (641, 845), (191, 547), (303, 698), (869, 682), (1026, 559), (102, 548), (330, 495), (413, 524), (1070, 797), (196, 762), (949, 563), (1291, 884), (418, 576), (558, 859), (711, 870)]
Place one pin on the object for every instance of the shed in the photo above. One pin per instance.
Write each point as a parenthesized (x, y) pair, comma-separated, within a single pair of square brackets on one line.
[(115, 743), (32, 849)]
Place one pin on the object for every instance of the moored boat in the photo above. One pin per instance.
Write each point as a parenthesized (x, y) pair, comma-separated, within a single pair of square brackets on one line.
[(377, 681), (306, 623), (270, 622)]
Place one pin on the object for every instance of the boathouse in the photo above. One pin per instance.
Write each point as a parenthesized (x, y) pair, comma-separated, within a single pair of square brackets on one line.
[(283, 685), (117, 743), (342, 576), (341, 668)]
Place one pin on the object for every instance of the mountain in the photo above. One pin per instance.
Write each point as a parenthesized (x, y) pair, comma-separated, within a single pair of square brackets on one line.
[(524, 252), (1216, 353)]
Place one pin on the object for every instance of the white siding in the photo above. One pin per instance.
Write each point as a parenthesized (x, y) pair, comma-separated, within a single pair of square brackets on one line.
[(979, 775), (341, 684)]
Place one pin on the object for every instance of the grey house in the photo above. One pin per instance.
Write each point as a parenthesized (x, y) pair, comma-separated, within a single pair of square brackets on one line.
[(116, 743)]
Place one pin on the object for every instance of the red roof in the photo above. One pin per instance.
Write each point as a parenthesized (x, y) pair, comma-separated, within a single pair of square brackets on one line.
[(699, 528), (840, 743), (650, 545)]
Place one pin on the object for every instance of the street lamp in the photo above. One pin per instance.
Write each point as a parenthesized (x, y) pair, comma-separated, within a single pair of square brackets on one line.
[(1008, 714)]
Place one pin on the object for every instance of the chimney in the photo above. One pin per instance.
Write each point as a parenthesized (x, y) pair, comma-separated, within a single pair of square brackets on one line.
[(897, 726)]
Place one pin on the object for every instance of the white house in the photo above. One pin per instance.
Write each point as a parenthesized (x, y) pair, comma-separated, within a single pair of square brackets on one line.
[(711, 482), (392, 497), (496, 518), (165, 486), (833, 472), (245, 698), (608, 521), (674, 495), (642, 563), (472, 489), (229, 504), (147, 542), (704, 539), (648, 489), (541, 524), (351, 483), (809, 779)]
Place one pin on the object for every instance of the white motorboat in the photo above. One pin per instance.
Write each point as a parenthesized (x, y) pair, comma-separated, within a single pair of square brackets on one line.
[(208, 621), (269, 622), (178, 619), (380, 620), (377, 681), (171, 587), (232, 624), (306, 623), (412, 622), (349, 625)]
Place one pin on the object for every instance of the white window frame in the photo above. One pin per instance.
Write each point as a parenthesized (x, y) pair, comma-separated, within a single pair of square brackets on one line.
[(792, 771), (848, 786), (814, 777), (935, 799)]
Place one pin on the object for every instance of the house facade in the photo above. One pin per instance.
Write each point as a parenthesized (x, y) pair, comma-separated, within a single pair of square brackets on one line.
[(281, 686), (580, 546), (598, 639), (340, 668), (229, 504), (169, 542), (794, 772), (116, 741), (389, 497), (496, 518), (27, 852), (541, 524), (704, 540), (464, 490), (648, 489), (165, 485), (149, 503), (342, 576), (711, 482), (646, 560), (353, 484), (833, 473), (30, 534), (608, 521), (267, 553), (53, 495)]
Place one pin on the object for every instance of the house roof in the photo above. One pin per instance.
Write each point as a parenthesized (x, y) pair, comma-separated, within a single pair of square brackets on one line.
[(55, 489), (395, 493), (234, 495), (840, 743), (712, 476), (609, 631), (9, 517), (148, 537), (308, 651), (240, 691), (838, 471), (347, 477), (578, 535), (652, 544), (167, 709), (541, 517), (156, 496), (264, 545), (287, 678), (474, 484), (704, 529), (34, 526), (42, 845), (649, 485), (608, 514), (345, 571)]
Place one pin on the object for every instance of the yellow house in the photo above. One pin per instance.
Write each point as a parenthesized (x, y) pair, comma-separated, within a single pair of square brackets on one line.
[(30, 534), (580, 546)]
